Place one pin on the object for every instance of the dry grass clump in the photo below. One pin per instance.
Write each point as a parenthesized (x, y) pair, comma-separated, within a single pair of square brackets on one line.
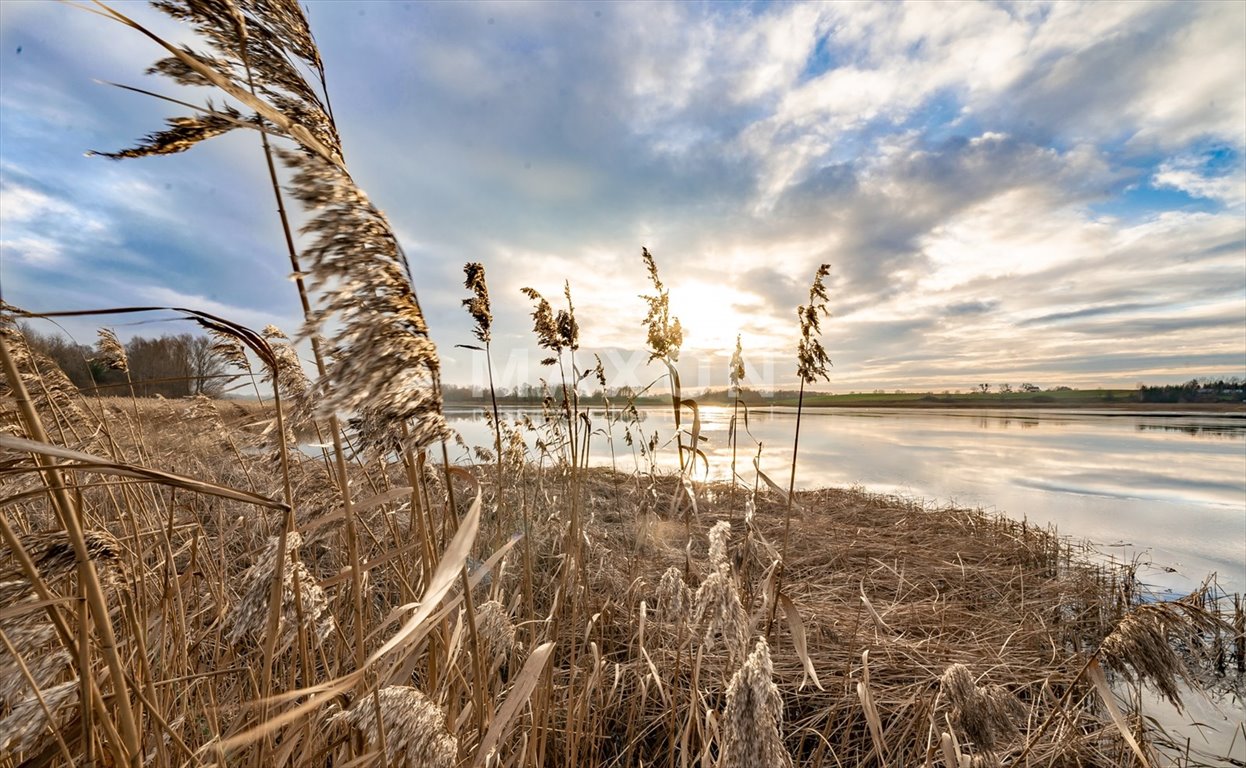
[(922, 590), (414, 728)]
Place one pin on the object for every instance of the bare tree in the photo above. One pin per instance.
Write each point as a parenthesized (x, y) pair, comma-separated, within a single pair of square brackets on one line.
[(205, 365)]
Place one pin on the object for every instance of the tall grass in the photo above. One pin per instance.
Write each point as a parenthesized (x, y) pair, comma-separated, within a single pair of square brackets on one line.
[(181, 585)]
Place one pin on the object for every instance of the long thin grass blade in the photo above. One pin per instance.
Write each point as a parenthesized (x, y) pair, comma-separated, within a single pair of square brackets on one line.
[(1095, 672), (98, 464), (797, 627), (519, 695)]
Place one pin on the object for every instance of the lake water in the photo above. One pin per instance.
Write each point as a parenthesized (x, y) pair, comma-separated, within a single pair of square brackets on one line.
[(1168, 490)]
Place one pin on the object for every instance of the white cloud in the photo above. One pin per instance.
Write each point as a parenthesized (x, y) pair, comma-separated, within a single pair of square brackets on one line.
[(20, 204), (34, 251), (1186, 174)]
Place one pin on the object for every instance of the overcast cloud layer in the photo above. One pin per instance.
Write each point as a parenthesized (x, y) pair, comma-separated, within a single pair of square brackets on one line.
[(1048, 193)]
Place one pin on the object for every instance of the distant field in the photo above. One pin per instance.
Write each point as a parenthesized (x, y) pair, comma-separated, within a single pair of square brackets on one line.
[(1074, 398)]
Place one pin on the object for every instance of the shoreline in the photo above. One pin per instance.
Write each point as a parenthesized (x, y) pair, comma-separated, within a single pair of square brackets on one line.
[(1105, 408)]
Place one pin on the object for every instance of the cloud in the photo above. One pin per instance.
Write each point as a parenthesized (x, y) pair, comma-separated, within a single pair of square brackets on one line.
[(1192, 174), (995, 187)]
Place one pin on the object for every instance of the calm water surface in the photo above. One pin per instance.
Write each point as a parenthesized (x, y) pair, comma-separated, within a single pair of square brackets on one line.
[(1166, 490)]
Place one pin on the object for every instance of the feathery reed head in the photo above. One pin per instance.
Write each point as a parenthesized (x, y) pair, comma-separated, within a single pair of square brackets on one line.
[(249, 616), (719, 534), (984, 715), (753, 718), (496, 630), (25, 727), (568, 328), (288, 372), (811, 356), (545, 325), (1141, 646), (719, 611), (665, 333), (381, 364), (737, 365), (230, 349), (112, 354), (414, 727), (52, 391), (674, 598), (478, 304)]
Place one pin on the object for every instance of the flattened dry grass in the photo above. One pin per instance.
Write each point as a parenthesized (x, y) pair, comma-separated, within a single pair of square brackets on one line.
[(905, 633), (920, 589)]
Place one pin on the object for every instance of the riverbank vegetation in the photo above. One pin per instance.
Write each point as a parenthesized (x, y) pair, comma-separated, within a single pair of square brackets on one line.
[(1142, 399), (190, 582)]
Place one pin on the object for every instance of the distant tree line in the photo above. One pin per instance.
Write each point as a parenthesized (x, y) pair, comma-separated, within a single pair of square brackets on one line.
[(529, 394), (178, 365), (1232, 389)]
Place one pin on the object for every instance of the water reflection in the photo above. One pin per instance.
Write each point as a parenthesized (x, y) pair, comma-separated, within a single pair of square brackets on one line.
[(1226, 431), (1172, 486)]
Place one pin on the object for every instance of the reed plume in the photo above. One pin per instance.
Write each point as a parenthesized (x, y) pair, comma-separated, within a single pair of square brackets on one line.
[(478, 304), (479, 308), (414, 727), (812, 360), (735, 374), (986, 715), (248, 618), (665, 334), (674, 597), (811, 363), (53, 394), (111, 352), (1141, 647), (230, 349), (544, 325), (27, 724), (753, 718), (33, 660), (381, 364), (719, 612), (736, 370), (554, 331), (496, 631)]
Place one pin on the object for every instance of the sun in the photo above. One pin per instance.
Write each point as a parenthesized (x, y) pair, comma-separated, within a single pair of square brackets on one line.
[(711, 314)]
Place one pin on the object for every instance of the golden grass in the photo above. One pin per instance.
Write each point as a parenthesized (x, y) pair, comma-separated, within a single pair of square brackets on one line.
[(974, 626)]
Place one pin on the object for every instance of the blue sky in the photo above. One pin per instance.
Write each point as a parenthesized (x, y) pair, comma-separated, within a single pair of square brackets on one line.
[(1048, 193)]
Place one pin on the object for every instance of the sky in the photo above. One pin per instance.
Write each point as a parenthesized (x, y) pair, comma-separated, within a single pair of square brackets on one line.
[(1048, 193)]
